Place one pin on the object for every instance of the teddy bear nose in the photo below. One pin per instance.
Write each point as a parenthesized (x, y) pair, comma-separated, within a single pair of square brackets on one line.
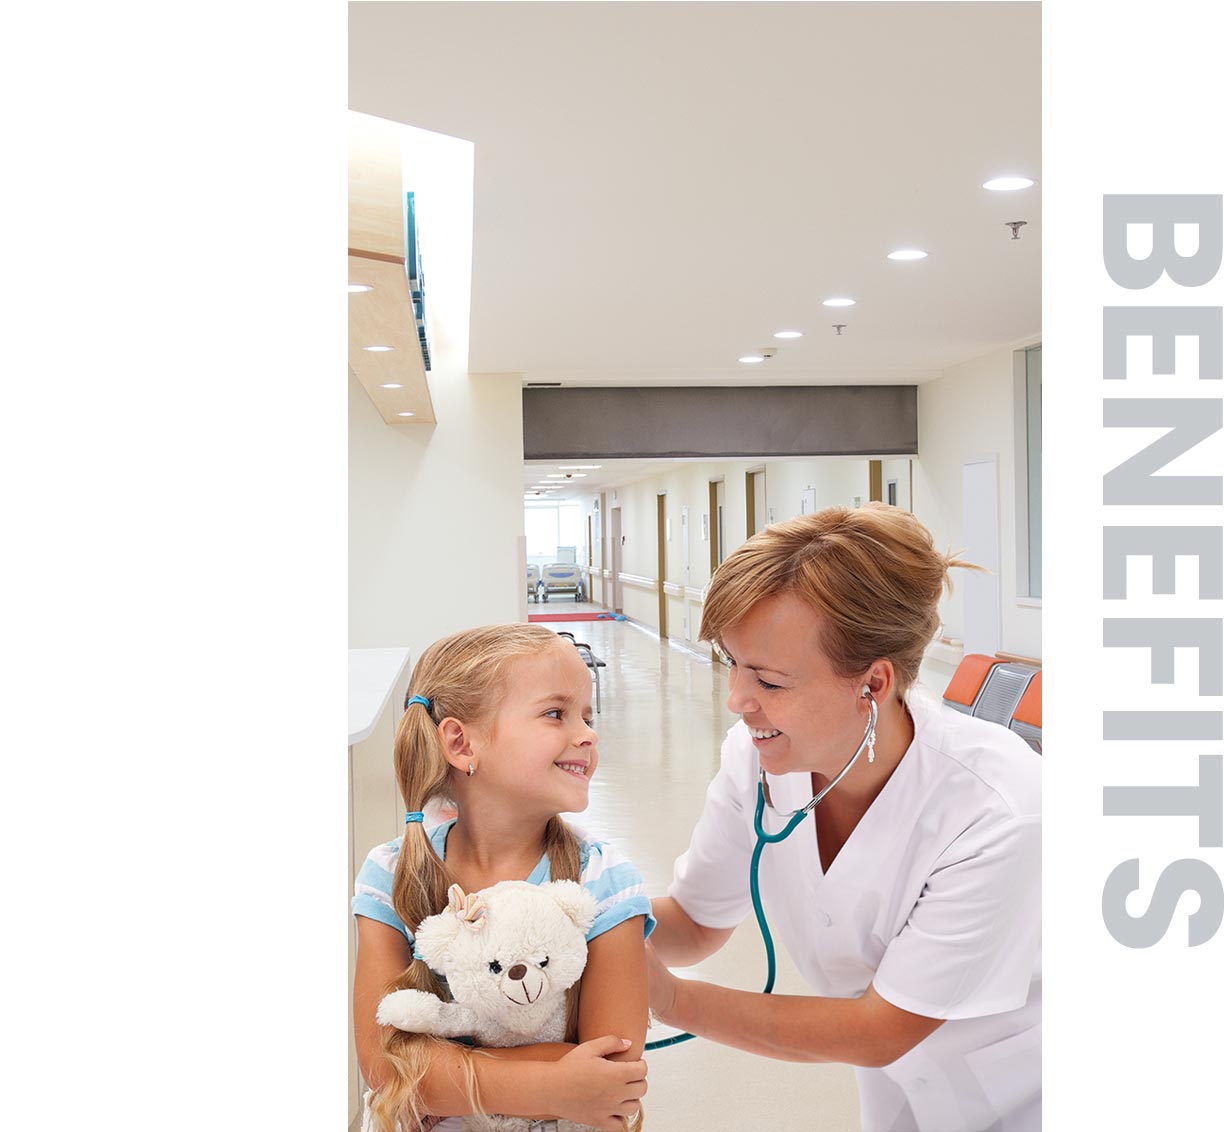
[(517, 971)]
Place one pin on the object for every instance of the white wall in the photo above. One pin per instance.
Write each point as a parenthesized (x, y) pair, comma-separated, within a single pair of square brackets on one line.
[(966, 413), (836, 481), (436, 511)]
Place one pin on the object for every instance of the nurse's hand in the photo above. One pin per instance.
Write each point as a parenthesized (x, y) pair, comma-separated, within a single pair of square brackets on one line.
[(661, 985)]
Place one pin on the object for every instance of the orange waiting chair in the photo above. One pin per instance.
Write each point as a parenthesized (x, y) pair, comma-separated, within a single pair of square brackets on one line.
[(1006, 693)]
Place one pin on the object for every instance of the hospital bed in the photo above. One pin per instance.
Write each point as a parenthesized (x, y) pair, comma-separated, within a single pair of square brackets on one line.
[(533, 582), (561, 577), (1004, 692)]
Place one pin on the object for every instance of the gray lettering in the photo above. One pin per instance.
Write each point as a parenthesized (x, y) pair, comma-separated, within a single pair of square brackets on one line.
[(1163, 725), (1163, 545), (1162, 212), (1163, 634), (1191, 420), (1185, 875), (1162, 325), (1204, 801)]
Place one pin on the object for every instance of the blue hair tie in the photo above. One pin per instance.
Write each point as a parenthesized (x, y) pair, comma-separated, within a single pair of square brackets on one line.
[(417, 700), (414, 815)]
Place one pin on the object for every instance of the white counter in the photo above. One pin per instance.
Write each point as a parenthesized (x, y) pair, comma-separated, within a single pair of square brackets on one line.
[(373, 675)]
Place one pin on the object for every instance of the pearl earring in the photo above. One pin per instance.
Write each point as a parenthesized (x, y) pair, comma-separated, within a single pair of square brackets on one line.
[(871, 746), (471, 769)]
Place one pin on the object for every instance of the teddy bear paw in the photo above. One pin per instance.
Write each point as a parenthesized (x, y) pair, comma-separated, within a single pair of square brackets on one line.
[(414, 1011)]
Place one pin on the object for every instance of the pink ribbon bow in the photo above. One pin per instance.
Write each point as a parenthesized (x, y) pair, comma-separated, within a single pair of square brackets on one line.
[(469, 907)]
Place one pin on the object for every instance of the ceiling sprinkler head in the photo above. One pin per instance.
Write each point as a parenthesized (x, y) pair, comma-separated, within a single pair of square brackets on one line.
[(1015, 226), (839, 327)]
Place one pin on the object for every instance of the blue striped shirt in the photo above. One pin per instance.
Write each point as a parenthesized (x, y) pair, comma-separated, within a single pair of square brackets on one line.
[(606, 873)]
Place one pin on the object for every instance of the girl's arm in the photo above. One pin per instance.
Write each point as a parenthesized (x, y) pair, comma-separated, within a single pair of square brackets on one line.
[(527, 1081), (614, 998), (866, 1031)]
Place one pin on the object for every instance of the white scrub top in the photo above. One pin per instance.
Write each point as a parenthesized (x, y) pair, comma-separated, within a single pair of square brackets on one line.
[(934, 898)]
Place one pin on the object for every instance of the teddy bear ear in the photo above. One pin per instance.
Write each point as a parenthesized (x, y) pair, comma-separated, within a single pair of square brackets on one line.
[(434, 937), (575, 902)]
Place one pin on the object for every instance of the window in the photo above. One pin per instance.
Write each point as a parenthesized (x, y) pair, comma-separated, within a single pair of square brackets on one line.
[(1027, 373), (1032, 378), (550, 525)]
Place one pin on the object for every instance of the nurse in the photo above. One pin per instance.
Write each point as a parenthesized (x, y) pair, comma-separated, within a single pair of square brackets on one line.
[(910, 898)]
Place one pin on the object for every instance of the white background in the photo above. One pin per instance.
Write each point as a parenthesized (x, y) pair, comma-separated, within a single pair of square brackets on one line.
[(173, 469), (1131, 1037)]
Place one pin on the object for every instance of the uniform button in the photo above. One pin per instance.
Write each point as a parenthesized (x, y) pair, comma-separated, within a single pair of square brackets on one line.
[(825, 918)]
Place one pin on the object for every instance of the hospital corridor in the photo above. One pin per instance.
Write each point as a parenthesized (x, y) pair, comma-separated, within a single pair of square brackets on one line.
[(623, 295)]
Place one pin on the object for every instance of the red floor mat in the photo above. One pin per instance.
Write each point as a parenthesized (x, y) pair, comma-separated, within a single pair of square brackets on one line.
[(571, 617)]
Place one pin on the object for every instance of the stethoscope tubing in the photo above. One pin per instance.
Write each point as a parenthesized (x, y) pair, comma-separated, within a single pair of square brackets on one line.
[(754, 867)]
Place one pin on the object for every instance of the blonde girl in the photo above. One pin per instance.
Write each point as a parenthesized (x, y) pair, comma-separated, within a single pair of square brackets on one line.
[(498, 724)]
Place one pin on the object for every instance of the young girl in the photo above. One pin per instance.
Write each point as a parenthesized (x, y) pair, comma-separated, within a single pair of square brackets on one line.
[(499, 723)]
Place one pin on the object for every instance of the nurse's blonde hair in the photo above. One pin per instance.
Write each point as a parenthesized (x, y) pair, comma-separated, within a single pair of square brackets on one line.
[(872, 573), (464, 676)]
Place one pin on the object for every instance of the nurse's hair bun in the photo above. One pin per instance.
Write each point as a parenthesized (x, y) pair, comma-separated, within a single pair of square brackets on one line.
[(871, 573)]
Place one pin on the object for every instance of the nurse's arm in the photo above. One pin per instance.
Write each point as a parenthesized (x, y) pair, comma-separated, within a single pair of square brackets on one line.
[(678, 939), (866, 1031)]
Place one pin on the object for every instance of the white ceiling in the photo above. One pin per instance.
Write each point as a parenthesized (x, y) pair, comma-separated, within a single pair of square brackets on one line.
[(659, 186)]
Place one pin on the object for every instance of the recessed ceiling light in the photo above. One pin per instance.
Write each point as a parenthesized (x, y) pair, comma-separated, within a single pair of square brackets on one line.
[(407, 414), (751, 359), (788, 333), (355, 288), (391, 385), (838, 303), (579, 467), (378, 349), (1008, 184), (907, 253)]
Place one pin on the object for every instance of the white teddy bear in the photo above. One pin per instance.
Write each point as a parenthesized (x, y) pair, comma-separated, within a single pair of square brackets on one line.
[(508, 953)]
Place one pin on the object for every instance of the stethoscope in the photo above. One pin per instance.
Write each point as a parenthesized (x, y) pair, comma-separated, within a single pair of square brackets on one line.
[(763, 839)]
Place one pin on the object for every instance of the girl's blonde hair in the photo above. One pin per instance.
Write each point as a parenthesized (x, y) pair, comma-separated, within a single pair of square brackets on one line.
[(872, 573), (464, 676)]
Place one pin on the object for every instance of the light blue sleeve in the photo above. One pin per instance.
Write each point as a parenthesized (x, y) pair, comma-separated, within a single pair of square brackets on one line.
[(618, 888), (372, 890)]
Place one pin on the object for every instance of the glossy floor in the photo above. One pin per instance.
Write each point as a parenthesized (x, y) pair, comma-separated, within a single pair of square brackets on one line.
[(663, 719)]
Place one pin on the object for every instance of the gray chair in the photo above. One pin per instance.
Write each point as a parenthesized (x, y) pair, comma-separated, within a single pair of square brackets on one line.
[(590, 660)]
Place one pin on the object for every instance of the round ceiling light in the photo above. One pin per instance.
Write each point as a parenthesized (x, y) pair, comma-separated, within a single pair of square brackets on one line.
[(378, 349), (357, 288), (752, 359), (788, 333), (838, 303), (407, 414), (391, 385), (907, 254), (1007, 184)]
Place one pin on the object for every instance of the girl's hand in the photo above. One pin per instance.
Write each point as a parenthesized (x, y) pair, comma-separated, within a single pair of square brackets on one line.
[(590, 1089), (661, 984)]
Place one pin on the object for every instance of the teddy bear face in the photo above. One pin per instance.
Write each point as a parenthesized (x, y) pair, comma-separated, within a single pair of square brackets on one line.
[(512, 958)]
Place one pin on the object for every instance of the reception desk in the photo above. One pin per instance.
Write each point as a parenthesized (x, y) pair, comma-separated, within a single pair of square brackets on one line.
[(378, 681)]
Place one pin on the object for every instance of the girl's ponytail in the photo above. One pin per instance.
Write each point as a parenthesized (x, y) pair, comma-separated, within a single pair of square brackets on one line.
[(418, 889)]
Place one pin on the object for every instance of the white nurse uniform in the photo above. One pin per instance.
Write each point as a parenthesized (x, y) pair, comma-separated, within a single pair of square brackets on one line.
[(934, 898)]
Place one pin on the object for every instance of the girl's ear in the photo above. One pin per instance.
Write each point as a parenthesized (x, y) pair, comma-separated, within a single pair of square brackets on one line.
[(456, 743)]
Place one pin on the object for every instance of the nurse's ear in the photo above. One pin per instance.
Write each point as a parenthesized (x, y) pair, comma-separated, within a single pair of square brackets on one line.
[(880, 681)]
